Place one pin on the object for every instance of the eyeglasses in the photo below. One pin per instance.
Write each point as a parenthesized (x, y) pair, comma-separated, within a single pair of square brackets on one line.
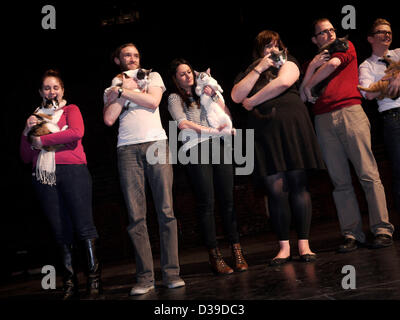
[(383, 32), (327, 31)]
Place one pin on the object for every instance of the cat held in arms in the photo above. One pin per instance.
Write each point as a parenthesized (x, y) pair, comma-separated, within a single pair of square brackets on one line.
[(48, 116), (216, 117), (381, 86)]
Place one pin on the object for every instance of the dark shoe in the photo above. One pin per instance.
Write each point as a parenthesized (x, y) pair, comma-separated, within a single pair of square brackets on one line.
[(279, 261), (382, 241), (240, 263), (349, 244), (308, 257), (70, 281), (94, 287), (217, 263)]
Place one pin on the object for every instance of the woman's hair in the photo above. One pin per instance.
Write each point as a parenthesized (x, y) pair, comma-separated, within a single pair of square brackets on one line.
[(52, 73), (264, 38), (173, 82)]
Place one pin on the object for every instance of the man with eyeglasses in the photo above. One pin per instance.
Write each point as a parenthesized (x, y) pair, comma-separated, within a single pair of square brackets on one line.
[(372, 70), (343, 132)]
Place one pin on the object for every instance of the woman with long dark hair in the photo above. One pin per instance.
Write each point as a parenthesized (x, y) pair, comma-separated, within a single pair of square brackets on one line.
[(185, 108)]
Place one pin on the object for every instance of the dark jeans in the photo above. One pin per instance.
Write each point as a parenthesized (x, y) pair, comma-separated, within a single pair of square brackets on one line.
[(206, 180), (68, 204), (391, 127)]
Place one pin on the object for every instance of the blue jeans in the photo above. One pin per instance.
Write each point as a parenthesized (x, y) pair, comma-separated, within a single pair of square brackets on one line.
[(68, 204), (134, 169), (391, 131)]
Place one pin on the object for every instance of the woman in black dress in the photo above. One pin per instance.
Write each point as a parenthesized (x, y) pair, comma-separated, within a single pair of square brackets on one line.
[(285, 142)]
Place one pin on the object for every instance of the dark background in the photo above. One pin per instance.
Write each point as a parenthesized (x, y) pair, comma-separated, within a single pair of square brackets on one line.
[(212, 34)]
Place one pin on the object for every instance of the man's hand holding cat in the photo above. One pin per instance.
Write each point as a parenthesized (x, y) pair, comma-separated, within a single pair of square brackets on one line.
[(394, 86), (308, 95), (320, 59)]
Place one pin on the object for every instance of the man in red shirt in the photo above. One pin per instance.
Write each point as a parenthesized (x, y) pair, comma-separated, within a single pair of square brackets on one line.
[(343, 132)]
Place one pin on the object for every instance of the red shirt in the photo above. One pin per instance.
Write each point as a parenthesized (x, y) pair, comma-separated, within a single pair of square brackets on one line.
[(341, 90), (72, 152)]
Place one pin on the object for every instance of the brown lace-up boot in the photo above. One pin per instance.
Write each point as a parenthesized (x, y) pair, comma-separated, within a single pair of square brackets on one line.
[(237, 255), (217, 263)]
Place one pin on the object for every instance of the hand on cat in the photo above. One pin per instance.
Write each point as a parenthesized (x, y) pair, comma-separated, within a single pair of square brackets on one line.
[(129, 83), (209, 91), (394, 86), (264, 63), (32, 121), (307, 94), (320, 59)]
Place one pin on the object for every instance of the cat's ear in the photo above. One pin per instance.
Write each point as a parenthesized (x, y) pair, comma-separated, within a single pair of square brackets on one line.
[(196, 73), (208, 71)]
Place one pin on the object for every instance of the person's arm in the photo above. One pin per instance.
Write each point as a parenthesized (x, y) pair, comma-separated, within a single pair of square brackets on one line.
[(287, 76), (322, 73), (209, 91), (74, 132), (315, 63), (365, 78), (176, 109), (394, 85)]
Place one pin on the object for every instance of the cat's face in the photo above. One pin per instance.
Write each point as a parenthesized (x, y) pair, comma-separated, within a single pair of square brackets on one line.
[(278, 57), (141, 76), (203, 77)]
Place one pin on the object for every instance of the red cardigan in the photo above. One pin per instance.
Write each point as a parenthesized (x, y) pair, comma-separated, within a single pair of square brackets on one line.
[(342, 89), (72, 152)]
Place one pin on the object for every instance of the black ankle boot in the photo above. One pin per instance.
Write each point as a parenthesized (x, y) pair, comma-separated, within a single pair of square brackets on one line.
[(94, 287), (70, 281)]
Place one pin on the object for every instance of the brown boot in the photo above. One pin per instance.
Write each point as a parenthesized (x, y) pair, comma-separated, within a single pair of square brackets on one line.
[(217, 263), (240, 262)]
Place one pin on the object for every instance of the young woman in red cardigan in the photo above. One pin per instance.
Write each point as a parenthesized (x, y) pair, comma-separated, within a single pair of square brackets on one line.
[(63, 184)]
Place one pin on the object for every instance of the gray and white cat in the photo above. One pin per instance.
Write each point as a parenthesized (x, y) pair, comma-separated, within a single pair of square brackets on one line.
[(215, 115)]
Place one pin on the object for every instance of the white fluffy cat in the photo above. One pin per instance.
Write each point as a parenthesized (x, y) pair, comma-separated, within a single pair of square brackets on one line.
[(215, 115)]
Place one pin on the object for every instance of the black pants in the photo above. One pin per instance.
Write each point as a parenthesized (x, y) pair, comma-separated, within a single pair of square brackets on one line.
[(288, 194), (68, 204), (207, 180)]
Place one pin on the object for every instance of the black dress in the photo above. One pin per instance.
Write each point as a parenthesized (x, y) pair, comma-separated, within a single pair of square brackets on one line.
[(284, 136)]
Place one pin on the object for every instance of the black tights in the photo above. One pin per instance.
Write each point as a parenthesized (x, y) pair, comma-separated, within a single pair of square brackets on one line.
[(288, 192)]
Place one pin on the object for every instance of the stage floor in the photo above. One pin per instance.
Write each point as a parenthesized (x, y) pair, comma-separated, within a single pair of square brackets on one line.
[(376, 274)]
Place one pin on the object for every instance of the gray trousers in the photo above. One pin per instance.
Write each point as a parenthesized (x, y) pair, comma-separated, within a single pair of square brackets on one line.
[(345, 135), (134, 169)]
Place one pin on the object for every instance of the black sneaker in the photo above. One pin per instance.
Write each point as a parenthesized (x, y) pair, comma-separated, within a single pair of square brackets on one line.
[(349, 244), (382, 241)]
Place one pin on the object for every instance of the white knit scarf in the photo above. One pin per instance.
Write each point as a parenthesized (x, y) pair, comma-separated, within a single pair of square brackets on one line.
[(46, 162)]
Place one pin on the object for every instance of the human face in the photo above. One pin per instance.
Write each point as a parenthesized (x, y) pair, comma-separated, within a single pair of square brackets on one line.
[(272, 46), (382, 36), (129, 58), (52, 89), (324, 33), (184, 77)]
